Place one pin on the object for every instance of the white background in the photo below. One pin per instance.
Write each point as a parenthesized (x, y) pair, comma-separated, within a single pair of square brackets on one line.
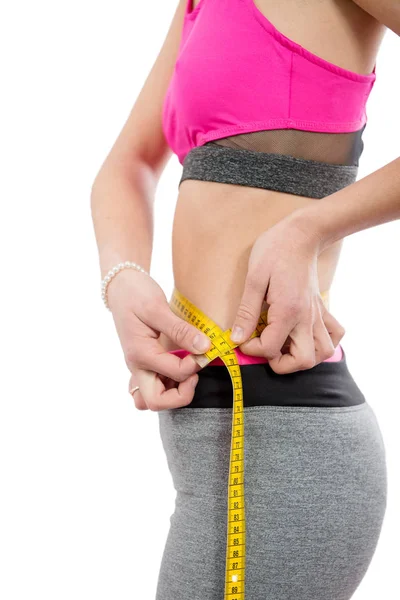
[(85, 493)]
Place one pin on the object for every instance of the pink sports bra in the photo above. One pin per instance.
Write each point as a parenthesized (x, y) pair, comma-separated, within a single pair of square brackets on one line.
[(236, 73)]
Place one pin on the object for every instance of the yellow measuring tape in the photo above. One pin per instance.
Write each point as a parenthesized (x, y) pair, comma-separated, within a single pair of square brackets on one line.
[(223, 347)]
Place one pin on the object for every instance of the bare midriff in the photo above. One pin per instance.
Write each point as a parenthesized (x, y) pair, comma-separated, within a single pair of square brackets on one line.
[(215, 226)]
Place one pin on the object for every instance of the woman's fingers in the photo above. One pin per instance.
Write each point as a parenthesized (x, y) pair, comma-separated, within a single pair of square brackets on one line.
[(310, 345), (301, 352), (249, 309), (148, 354), (282, 319), (324, 347), (161, 318), (137, 396), (154, 395), (334, 328), (296, 339), (271, 341)]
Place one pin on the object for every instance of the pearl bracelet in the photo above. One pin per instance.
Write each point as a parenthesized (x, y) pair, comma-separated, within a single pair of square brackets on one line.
[(112, 272)]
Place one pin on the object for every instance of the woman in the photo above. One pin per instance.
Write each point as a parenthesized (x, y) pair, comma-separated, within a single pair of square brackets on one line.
[(264, 105)]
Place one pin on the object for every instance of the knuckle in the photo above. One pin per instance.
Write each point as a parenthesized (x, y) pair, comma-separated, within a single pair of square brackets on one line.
[(279, 369), (306, 363), (140, 405), (340, 331), (153, 405), (176, 375), (292, 308), (131, 357), (271, 345), (270, 350), (244, 312), (186, 400), (184, 369), (179, 330), (179, 376), (254, 282), (327, 352)]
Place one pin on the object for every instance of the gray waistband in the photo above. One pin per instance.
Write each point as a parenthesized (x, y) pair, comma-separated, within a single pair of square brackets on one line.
[(278, 172)]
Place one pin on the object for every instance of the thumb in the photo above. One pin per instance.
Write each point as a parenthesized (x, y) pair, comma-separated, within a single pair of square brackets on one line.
[(180, 331), (249, 311)]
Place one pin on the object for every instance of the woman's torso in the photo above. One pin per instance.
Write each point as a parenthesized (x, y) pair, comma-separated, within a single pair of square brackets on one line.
[(216, 224)]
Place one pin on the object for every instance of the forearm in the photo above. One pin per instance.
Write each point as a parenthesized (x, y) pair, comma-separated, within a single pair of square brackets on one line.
[(370, 201), (122, 212)]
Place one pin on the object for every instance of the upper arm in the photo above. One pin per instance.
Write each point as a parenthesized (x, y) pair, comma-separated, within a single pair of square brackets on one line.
[(386, 12), (142, 136)]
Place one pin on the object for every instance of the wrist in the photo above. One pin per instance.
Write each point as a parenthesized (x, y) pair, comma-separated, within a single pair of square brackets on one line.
[(114, 259), (119, 269), (313, 221)]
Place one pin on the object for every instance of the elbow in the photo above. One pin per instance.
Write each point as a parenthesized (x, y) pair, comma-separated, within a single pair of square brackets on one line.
[(96, 190), (114, 177)]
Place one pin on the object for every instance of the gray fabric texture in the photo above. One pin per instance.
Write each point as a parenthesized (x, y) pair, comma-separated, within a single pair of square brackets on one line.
[(315, 494), (277, 172)]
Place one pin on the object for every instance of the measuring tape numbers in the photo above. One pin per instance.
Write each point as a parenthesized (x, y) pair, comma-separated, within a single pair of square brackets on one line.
[(223, 347)]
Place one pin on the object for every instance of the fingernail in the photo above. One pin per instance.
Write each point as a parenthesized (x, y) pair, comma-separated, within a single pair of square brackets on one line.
[(201, 343), (195, 380), (237, 334)]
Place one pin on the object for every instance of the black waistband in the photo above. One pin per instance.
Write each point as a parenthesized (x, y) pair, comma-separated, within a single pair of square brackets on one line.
[(277, 172), (327, 384)]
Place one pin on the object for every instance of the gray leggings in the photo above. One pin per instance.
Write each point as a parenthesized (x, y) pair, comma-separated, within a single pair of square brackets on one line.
[(315, 485)]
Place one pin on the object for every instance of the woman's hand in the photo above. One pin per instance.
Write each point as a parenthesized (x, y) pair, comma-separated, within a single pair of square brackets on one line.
[(141, 311), (283, 271)]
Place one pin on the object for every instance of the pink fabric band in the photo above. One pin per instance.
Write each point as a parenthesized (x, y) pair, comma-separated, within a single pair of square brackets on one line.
[(245, 359)]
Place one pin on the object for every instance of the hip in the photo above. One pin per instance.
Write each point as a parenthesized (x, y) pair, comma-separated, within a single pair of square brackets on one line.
[(315, 498), (314, 424)]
